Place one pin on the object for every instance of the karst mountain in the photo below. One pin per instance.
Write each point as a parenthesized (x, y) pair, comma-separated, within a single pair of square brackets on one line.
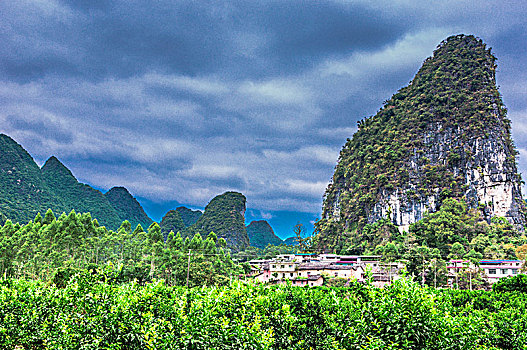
[(445, 135)]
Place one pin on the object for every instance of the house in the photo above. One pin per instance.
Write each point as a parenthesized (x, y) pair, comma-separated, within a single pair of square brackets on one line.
[(496, 269), (493, 270), (309, 269)]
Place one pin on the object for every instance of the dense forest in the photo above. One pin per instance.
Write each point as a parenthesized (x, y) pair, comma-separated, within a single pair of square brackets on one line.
[(54, 249), (26, 189)]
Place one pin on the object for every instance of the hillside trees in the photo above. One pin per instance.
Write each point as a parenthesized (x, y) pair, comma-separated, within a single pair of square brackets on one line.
[(76, 242)]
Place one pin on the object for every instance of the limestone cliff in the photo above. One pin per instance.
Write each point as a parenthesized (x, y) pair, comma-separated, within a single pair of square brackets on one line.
[(445, 135)]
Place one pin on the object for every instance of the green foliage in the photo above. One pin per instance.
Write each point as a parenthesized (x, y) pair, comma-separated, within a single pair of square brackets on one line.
[(90, 312), (261, 234), (455, 230), (372, 236), (171, 222), (56, 249), (511, 284), (225, 216)]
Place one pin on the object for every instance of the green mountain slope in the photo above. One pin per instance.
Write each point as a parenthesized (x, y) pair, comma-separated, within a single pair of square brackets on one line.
[(261, 234), (171, 222), (26, 189), (445, 135), (188, 216), (225, 215), (77, 196), (127, 207), (23, 191)]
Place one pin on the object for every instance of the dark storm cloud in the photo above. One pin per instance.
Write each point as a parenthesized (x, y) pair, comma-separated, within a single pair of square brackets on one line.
[(182, 100), (122, 39)]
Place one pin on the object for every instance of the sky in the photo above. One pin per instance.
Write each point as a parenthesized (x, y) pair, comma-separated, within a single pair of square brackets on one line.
[(180, 101)]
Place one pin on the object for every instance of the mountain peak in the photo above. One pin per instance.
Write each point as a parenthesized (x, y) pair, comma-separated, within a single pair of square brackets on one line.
[(445, 135), (189, 216), (119, 189), (57, 168), (127, 207), (261, 234), (225, 216)]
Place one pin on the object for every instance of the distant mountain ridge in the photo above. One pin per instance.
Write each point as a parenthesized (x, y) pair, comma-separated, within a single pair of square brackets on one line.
[(26, 189), (261, 234)]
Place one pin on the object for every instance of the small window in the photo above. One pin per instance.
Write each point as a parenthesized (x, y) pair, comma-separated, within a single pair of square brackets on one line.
[(281, 266), (504, 271), (492, 271), (290, 265), (514, 271), (273, 266), (291, 274)]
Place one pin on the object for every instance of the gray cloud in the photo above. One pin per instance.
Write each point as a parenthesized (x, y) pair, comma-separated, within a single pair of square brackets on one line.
[(180, 101)]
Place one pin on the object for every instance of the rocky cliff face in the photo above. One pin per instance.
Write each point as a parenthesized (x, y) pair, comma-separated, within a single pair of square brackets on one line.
[(489, 179), (445, 135)]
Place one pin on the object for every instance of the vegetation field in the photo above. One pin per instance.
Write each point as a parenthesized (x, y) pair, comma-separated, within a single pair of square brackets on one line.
[(91, 312)]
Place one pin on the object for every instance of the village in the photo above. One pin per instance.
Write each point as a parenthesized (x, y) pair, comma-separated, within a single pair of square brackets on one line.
[(311, 269)]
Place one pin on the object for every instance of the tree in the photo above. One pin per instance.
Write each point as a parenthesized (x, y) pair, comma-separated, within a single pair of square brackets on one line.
[(49, 217), (303, 239), (457, 251), (452, 223), (418, 260), (438, 268), (390, 254), (511, 284)]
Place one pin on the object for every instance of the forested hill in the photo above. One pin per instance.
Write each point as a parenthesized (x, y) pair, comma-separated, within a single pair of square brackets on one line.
[(225, 215), (189, 216), (261, 234), (75, 195), (172, 222), (127, 207), (23, 191), (445, 135), (26, 189)]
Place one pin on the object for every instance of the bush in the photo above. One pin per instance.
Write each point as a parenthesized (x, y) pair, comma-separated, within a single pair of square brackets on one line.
[(511, 284), (89, 313)]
